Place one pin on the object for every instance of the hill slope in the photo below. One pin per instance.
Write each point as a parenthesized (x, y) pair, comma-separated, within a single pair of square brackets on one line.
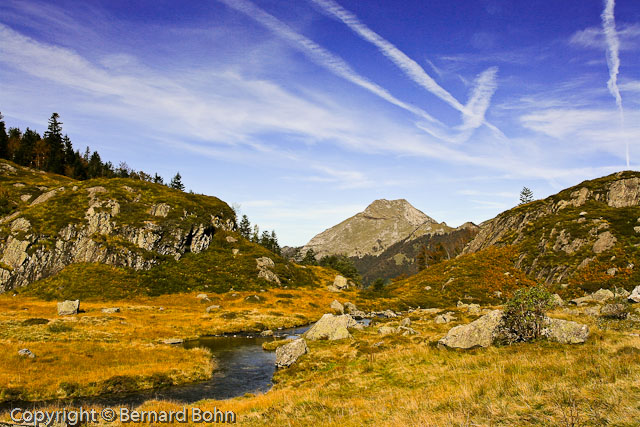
[(400, 258), (117, 237), (380, 225), (579, 235)]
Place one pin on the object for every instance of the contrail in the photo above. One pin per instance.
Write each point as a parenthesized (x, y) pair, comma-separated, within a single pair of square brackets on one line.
[(412, 69), (613, 59), (320, 55)]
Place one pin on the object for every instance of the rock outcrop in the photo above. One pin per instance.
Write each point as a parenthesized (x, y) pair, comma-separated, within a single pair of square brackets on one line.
[(100, 224), (288, 354), (562, 234), (264, 266), (635, 295)]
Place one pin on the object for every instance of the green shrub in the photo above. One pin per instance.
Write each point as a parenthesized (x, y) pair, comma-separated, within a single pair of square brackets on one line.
[(525, 313)]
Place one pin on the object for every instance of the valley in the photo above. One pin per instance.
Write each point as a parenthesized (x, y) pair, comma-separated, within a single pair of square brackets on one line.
[(149, 284)]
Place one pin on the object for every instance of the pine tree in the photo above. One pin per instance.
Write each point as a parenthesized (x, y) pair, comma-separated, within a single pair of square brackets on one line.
[(275, 247), (526, 195), (25, 154), (157, 179), (244, 228), (4, 139), (53, 138), (255, 236), (94, 169), (176, 182)]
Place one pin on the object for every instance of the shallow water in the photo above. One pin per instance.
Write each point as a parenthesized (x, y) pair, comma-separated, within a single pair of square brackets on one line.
[(242, 367)]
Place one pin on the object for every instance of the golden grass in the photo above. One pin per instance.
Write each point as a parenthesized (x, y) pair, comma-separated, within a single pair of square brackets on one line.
[(77, 354), (393, 380)]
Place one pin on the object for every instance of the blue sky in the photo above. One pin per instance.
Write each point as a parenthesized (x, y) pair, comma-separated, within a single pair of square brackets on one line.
[(305, 111)]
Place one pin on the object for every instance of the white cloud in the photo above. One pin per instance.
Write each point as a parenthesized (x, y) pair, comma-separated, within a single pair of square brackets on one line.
[(472, 113), (320, 55), (594, 37)]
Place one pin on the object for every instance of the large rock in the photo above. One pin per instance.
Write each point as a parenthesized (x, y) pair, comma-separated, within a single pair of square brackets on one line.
[(25, 352), (340, 282), (288, 354), (264, 265), (614, 311), (565, 331), (330, 327), (68, 308), (264, 262), (337, 307), (635, 295), (602, 295), (479, 333)]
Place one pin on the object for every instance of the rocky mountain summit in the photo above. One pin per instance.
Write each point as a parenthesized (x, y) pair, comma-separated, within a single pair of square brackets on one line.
[(51, 221), (380, 225)]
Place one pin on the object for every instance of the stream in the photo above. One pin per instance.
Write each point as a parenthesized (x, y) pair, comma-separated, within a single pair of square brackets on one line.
[(242, 367)]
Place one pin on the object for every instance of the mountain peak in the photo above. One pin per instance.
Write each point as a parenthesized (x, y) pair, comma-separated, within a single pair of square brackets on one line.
[(380, 225)]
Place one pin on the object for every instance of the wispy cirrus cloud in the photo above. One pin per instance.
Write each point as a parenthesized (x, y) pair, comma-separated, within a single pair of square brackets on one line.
[(595, 37), (320, 55), (473, 112)]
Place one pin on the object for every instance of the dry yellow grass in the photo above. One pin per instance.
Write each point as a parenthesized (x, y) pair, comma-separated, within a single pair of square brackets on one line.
[(81, 355), (394, 380)]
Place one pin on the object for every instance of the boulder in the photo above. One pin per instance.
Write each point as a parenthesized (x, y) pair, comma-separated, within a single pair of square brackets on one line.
[(479, 333), (350, 308), (269, 276), (339, 333), (202, 297), (212, 308), (614, 311), (231, 239), (340, 282), (265, 262), (329, 327), (602, 295), (445, 318), (635, 295), (68, 308), (25, 352), (337, 307), (565, 331), (111, 310), (266, 333), (288, 354), (235, 251), (405, 322), (389, 314)]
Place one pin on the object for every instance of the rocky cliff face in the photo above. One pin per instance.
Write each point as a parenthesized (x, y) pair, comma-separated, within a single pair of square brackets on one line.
[(56, 222), (382, 224), (595, 221)]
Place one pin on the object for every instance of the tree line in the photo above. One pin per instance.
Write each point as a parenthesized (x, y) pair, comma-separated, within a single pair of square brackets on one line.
[(54, 152), (267, 239)]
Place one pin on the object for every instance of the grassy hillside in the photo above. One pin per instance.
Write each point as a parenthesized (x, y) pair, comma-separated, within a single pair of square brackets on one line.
[(213, 270), (486, 277), (118, 238)]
